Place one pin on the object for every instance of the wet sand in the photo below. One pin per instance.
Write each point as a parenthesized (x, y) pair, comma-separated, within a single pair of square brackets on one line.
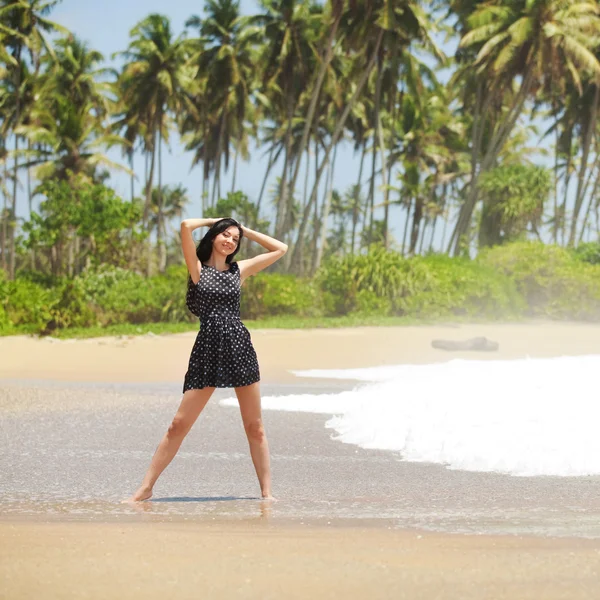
[(80, 421)]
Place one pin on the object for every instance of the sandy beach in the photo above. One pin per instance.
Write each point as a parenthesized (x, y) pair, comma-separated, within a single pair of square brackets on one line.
[(151, 358), (80, 420)]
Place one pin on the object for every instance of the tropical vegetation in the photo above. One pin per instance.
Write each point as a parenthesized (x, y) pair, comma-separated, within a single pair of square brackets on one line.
[(475, 127)]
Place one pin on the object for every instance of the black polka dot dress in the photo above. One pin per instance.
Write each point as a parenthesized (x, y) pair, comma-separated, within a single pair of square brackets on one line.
[(223, 355)]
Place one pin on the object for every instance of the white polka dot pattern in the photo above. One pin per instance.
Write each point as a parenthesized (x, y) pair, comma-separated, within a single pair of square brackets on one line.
[(223, 355)]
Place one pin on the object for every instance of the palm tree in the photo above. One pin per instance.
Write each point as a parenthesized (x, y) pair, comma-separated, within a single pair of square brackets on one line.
[(167, 204), (152, 86), (537, 42), (290, 29), (224, 63), (22, 27), (589, 124), (365, 25), (67, 128)]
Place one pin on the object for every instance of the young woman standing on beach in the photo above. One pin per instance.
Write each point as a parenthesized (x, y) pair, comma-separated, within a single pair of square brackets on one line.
[(223, 355)]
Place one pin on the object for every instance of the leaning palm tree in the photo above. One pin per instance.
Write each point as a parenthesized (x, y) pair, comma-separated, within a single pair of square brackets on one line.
[(531, 41), (365, 26)]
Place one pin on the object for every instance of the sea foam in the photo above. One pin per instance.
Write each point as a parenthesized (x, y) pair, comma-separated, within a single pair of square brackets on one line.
[(521, 417)]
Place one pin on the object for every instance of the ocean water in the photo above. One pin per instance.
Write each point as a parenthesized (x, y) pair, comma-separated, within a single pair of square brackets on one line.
[(528, 417)]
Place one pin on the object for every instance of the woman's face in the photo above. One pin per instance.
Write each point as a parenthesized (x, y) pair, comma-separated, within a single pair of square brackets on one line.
[(227, 241)]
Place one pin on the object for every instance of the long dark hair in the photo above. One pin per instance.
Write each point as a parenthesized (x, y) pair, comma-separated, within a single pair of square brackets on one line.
[(205, 247)]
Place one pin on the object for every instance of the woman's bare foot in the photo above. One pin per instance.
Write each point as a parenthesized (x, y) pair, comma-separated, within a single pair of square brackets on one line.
[(268, 496), (142, 494)]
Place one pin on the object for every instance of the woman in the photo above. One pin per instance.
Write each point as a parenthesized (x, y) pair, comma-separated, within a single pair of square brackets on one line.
[(222, 355)]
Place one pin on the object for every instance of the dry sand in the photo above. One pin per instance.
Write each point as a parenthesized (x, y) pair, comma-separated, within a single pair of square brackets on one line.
[(164, 358), (190, 560), (266, 558)]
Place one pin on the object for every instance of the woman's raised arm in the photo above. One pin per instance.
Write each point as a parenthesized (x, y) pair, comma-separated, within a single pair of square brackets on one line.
[(189, 246), (276, 250)]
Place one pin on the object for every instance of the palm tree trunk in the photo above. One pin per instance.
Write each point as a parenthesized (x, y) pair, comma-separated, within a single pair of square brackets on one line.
[(406, 222), (4, 230), (497, 141), (265, 178), (417, 216), (593, 196), (148, 202), (13, 214), (423, 232), (282, 204), (30, 202), (132, 179), (312, 107), (306, 176), (371, 200), (297, 253), (565, 197), (356, 207), (433, 226), (217, 175), (384, 171), (579, 194), (556, 157), (13, 209), (235, 166), (325, 215), (160, 225)]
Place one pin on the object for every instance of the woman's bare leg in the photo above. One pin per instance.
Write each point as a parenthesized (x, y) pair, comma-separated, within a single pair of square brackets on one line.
[(191, 406), (249, 399)]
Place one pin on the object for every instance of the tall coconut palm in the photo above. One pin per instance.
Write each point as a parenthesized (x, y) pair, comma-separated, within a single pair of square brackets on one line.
[(68, 126), (167, 204), (23, 24), (365, 25), (534, 42), (290, 29), (224, 65), (152, 84)]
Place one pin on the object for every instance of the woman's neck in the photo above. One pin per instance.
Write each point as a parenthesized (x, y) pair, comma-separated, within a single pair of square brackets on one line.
[(218, 262)]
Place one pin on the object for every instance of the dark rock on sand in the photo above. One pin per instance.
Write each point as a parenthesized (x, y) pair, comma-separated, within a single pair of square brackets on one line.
[(478, 344)]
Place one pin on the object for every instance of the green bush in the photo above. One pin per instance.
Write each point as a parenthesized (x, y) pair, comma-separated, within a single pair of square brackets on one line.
[(4, 321), (432, 286), (70, 307), (553, 282), (120, 296), (274, 294), (29, 305), (340, 279), (589, 252), (368, 303), (505, 281), (437, 286)]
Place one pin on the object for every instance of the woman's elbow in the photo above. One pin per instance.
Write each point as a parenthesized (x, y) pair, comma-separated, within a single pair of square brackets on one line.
[(283, 249)]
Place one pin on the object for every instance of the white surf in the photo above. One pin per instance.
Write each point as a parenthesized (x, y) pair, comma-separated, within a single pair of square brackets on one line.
[(525, 417)]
